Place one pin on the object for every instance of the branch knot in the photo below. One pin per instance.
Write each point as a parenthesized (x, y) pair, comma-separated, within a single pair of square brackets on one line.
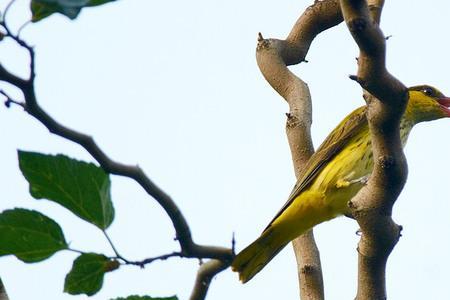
[(359, 80), (262, 42), (307, 269), (292, 120), (386, 161)]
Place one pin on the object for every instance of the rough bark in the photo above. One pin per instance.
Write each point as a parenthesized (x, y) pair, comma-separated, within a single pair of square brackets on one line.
[(386, 98), (273, 57)]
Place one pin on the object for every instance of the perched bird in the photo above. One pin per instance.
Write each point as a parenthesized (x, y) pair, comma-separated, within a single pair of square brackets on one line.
[(332, 176)]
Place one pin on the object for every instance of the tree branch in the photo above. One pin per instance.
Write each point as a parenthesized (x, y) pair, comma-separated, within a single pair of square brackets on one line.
[(10, 78), (189, 248), (183, 233), (147, 261), (273, 57), (205, 274), (372, 206)]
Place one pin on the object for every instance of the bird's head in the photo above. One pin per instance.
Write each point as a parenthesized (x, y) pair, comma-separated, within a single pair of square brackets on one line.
[(427, 103)]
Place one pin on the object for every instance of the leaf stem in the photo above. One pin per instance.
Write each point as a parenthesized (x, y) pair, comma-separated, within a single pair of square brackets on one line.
[(112, 246), (75, 250)]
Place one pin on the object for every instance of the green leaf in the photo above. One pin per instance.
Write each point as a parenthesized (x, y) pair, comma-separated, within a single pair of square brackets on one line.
[(81, 187), (41, 9), (146, 298), (98, 2), (29, 235), (86, 275)]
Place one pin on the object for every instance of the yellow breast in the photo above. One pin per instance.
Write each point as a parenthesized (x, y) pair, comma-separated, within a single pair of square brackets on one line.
[(327, 195), (347, 172)]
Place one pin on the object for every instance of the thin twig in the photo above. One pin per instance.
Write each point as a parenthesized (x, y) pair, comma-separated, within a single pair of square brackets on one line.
[(147, 261), (20, 42), (5, 12), (140, 263), (9, 100), (22, 27)]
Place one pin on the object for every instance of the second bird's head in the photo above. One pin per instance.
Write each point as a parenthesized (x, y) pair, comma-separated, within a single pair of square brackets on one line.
[(427, 103)]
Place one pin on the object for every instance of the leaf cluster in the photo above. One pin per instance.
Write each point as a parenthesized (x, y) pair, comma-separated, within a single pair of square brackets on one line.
[(82, 188)]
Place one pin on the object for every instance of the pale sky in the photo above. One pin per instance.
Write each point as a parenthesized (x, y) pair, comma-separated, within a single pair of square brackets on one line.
[(173, 86)]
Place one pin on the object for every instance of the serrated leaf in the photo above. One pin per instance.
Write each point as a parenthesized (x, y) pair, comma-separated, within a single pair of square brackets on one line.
[(29, 235), (41, 9), (146, 298), (81, 187), (86, 275)]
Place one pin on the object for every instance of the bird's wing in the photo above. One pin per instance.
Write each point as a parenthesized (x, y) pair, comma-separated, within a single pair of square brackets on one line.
[(332, 145)]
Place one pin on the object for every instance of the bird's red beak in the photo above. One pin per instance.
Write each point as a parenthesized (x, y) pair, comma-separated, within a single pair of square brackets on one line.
[(445, 104)]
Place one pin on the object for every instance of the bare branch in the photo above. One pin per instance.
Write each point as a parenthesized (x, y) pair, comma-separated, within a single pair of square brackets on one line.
[(7, 8), (372, 206), (22, 27), (9, 100), (205, 274), (273, 57), (6, 75), (147, 261)]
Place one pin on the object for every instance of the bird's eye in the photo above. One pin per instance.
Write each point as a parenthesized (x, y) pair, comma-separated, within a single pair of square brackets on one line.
[(428, 91)]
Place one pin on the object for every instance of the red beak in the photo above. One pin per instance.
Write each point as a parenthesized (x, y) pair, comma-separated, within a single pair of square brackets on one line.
[(445, 104), (445, 101)]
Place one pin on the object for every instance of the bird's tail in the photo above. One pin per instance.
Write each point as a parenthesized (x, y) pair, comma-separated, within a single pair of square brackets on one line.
[(257, 255)]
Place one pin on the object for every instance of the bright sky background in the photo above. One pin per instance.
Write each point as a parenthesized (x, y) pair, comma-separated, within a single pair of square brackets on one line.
[(173, 86)]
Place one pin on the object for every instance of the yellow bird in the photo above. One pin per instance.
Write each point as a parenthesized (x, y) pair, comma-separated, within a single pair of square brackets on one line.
[(332, 176)]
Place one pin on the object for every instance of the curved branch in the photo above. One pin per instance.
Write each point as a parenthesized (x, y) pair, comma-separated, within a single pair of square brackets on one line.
[(372, 206), (189, 248), (205, 274), (273, 56), (183, 233)]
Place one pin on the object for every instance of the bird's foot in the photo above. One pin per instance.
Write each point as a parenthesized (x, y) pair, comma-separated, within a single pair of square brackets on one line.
[(343, 183), (361, 180)]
